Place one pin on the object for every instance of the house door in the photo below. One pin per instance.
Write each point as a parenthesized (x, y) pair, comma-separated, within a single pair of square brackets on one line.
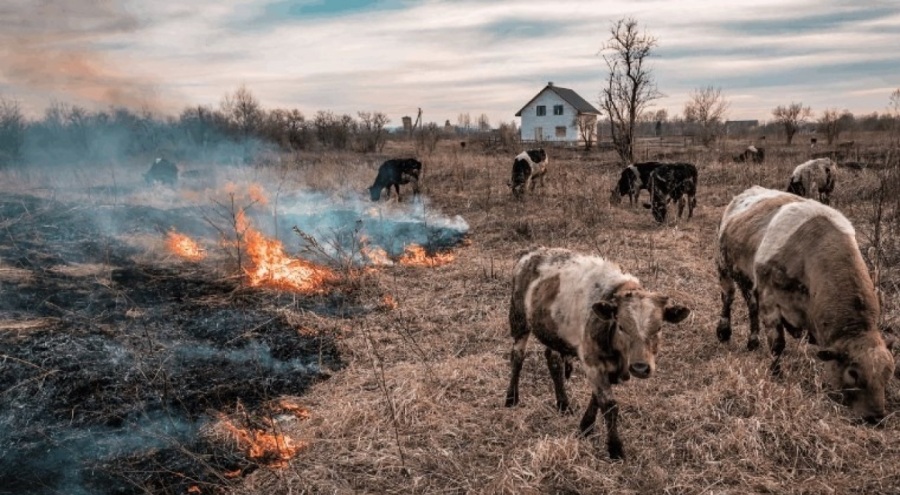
[(538, 133)]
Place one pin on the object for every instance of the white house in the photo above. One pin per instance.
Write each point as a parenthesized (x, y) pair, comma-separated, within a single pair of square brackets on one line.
[(554, 115)]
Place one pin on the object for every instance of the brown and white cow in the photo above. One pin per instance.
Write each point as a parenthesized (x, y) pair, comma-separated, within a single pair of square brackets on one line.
[(798, 266), (586, 307), (814, 175), (529, 165)]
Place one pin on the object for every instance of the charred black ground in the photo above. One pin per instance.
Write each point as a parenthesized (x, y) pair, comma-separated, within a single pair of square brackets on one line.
[(110, 367)]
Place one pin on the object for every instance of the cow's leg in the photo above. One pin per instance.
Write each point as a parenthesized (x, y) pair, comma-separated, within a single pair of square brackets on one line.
[(776, 346), (692, 203), (752, 299), (556, 365), (516, 359), (397, 188), (602, 401), (518, 326), (680, 206), (726, 284)]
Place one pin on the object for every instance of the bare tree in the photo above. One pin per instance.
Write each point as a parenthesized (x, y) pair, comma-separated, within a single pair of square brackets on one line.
[(791, 117), (484, 123), (894, 109), (630, 86), (706, 109), (587, 128), (372, 131), (12, 131), (832, 123), (243, 111), (464, 122)]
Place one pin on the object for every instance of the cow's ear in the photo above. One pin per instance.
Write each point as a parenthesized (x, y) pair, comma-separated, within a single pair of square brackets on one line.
[(605, 309), (675, 313), (832, 355)]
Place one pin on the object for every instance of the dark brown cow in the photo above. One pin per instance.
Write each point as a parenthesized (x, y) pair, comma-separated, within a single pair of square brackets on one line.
[(394, 173), (798, 266), (163, 171), (675, 182), (586, 307)]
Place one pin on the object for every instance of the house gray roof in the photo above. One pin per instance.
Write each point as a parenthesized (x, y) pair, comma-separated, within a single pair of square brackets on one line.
[(572, 98)]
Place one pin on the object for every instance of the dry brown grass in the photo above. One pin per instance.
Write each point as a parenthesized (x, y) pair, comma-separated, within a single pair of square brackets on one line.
[(711, 421), (419, 407)]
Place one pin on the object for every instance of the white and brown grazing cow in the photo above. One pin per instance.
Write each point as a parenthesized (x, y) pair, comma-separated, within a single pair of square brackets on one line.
[(815, 175), (798, 266), (529, 165), (586, 307)]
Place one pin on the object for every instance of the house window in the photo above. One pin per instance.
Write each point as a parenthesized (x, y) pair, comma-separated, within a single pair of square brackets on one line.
[(557, 110), (561, 131), (541, 110)]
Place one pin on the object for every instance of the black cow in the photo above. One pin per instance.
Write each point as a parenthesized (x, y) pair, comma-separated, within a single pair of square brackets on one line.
[(672, 182), (632, 180), (528, 165), (395, 172), (163, 171)]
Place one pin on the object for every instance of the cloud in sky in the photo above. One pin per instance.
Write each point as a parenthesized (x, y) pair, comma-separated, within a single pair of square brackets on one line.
[(445, 56)]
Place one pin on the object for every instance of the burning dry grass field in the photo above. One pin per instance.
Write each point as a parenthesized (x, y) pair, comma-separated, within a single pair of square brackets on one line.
[(133, 360)]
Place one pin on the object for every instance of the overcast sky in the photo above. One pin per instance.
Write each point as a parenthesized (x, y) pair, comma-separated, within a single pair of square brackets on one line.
[(445, 56)]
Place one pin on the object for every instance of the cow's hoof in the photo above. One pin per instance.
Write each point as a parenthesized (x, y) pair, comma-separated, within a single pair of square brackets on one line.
[(723, 332), (564, 408), (753, 343), (512, 401), (616, 451)]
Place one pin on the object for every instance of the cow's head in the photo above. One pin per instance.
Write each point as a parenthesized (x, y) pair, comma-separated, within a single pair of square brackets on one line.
[(635, 318), (657, 205), (861, 369), (796, 187), (537, 155), (375, 193)]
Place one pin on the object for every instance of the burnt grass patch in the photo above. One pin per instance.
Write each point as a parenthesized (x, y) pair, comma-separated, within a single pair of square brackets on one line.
[(109, 377)]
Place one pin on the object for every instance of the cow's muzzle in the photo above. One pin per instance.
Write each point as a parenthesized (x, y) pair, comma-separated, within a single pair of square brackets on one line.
[(640, 370)]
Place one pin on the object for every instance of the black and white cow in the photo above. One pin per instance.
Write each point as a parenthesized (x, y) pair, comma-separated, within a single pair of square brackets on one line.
[(395, 172), (530, 165), (632, 180), (162, 171), (586, 308), (676, 182), (751, 154)]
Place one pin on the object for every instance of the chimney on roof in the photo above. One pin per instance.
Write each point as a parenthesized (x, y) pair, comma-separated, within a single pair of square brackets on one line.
[(550, 83)]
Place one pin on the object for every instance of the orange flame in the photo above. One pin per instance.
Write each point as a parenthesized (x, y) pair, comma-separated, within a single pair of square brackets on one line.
[(272, 267), (389, 303), (272, 449), (184, 246), (415, 255)]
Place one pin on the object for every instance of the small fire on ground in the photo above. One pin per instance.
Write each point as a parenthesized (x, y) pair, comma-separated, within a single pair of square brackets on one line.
[(184, 247), (269, 446), (416, 255), (270, 266)]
